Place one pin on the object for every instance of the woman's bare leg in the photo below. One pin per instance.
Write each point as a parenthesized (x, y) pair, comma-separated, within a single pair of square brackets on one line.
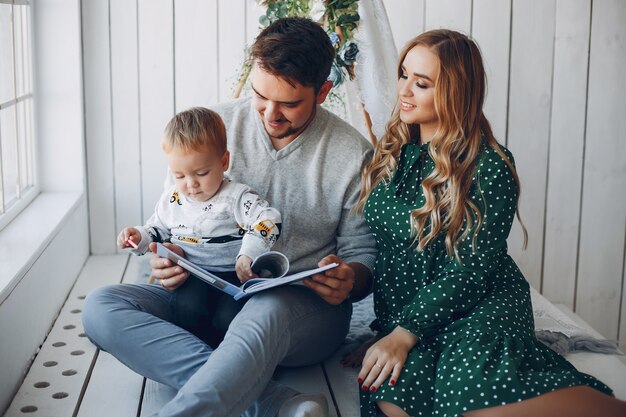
[(391, 410), (578, 401)]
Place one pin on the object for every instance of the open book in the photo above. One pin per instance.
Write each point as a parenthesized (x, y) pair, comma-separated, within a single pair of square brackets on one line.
[(273, 266)]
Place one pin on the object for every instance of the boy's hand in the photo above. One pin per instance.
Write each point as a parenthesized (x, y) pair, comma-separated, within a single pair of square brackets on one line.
[(128, 233), (243, 270)]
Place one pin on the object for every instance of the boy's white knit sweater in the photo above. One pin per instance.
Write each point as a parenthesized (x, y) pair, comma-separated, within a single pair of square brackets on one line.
[(235, 221)]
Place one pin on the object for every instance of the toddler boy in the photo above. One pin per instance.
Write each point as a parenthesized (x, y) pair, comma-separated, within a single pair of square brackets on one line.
[(221, 225)]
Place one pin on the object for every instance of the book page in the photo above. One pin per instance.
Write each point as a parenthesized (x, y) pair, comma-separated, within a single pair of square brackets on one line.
[(260, 284), (270, 265)]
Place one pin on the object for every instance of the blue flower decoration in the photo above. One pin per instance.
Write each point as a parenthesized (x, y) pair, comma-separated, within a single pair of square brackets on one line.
[(349, 52), (336, 75), (334, 38)]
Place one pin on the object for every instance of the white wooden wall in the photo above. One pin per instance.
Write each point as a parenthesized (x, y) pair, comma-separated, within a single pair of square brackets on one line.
[(556, 98)]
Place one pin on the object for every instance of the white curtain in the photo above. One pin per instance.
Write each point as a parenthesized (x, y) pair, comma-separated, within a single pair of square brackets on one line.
[(376, 76)]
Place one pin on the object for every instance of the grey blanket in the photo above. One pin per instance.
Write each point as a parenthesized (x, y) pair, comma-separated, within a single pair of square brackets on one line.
[(363, 315), (563, 344)]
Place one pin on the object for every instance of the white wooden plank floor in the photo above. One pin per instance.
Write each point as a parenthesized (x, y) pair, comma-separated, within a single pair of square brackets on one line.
[(71, 377), (56, 380)]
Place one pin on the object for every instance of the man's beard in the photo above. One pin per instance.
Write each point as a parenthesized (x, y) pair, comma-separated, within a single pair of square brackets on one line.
[(288, 132), (292, 130)]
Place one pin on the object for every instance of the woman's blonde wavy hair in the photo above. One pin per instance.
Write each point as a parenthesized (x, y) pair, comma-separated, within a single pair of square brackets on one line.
[(459, 95)]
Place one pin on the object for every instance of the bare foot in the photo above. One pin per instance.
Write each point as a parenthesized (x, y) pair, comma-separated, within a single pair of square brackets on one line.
[(354, 359)]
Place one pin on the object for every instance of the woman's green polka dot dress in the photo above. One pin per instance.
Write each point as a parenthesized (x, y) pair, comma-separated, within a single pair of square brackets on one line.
[(474, 320)]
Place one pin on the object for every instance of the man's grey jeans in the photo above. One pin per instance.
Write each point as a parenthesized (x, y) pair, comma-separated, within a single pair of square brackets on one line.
[(289, 326)]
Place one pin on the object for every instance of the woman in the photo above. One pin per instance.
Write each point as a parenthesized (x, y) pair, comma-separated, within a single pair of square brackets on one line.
[(440, 195)]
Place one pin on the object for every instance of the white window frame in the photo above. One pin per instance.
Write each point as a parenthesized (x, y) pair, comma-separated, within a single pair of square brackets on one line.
[(43, 248), (25, 191), (44, 211)]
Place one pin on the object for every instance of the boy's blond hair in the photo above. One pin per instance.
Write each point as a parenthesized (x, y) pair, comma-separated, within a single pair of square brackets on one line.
[(194, 129)]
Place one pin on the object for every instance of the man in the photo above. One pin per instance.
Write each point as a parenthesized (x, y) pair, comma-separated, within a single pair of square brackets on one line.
[(306, 162)]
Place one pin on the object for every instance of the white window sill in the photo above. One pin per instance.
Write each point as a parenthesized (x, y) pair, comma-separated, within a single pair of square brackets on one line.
[(27, 236)]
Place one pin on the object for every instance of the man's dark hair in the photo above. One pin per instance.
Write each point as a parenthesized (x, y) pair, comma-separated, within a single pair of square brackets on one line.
[(296, 49)]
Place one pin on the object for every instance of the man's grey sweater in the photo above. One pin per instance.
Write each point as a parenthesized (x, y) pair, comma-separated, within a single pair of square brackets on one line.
[(314, 182)]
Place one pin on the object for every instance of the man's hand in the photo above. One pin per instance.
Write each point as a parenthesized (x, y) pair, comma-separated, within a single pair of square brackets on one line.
[(334, 285), (169, 275)]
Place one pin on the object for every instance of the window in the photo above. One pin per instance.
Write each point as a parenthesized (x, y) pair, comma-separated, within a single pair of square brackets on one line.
[(18, 185)]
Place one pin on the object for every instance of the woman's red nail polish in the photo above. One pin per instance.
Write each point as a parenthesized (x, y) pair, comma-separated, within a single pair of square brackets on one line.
[(359, 380), (373, 389), (363, 388), (392, 382)]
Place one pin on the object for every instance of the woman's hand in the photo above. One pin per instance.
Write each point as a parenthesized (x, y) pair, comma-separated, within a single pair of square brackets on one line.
[(242, 267), (334, 285), (385, 359), (168, 274), (354, 359)]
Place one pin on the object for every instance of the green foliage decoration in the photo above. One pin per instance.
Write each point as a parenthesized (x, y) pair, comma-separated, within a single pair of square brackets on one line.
[(339, 18)]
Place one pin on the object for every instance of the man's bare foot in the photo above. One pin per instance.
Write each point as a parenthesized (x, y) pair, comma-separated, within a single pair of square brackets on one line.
[(354, 359)]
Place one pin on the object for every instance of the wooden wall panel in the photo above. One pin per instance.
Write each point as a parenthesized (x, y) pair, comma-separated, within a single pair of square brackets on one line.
[(97, 84), (621, 336), (406, 18), (529, 124), (600, 264), (253, 12), (565, 159), (232, 35), (61, 94), (491, 28), (125, 116), (195, 49), (156, 92), (448, 14), (146, 59)]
